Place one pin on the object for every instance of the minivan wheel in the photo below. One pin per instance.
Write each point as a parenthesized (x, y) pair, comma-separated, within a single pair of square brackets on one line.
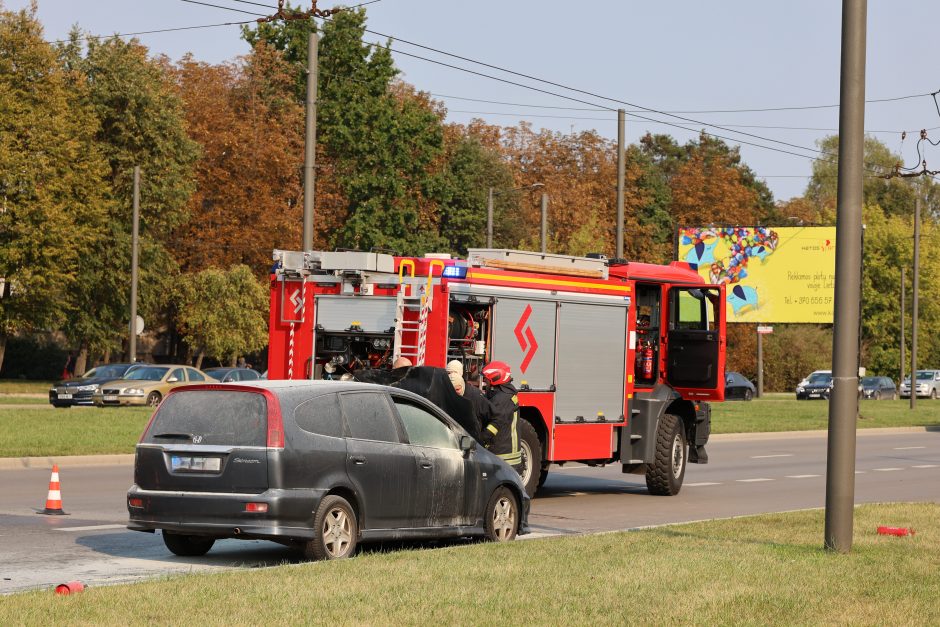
[(501, 517), (187, 546), (336, 530)]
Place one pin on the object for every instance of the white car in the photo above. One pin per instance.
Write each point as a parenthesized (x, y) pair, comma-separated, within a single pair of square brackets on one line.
[(926, 383)]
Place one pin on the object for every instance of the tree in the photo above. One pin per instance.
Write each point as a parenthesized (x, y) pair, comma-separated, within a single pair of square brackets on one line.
[(222, 313), (247, 197), (52, 182), (140, 123), (895, 196)]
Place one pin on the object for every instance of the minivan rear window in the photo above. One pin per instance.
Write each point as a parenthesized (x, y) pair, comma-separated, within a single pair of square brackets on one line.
[(210, 417)]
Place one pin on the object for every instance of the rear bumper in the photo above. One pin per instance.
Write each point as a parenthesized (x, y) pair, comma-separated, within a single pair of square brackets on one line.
[(289, 515)]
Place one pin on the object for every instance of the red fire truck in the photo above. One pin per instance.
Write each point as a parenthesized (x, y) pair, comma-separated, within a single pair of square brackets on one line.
[(614, 360)]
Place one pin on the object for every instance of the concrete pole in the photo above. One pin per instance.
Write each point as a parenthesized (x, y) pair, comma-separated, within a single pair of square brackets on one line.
[(489, 219), (901, 380), (135, 233), (915, 285), (544, 222), (310, 143), (843, 404), (620, 181)]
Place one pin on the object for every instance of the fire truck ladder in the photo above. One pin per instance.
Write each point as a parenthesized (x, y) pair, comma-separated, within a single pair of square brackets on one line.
[(406, 300)]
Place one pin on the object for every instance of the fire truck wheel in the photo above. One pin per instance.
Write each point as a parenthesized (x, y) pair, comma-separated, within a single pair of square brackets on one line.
[(543, 475), (531, 450), (664, 476)]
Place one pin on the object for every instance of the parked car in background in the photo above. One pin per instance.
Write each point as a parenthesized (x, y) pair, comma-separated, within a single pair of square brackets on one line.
[(80, 390), (228, 375), (927, 383), (147, 385), (816, 385), (738, 387), (879, 388), (319, 465)]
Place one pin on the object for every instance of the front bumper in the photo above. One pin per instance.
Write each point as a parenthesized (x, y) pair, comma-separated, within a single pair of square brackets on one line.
[(812, 394), (118, 400), (67, 399)]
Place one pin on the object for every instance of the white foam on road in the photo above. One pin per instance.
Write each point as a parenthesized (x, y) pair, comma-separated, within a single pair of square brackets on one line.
[(91, 528), (753, 480), (907, 448), (887, 469), (802, 476), (925, 466), (701, 484), (769, 456)]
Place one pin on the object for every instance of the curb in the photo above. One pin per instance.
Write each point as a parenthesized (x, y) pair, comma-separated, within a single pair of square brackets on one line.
[(65, 461), (781, 435)]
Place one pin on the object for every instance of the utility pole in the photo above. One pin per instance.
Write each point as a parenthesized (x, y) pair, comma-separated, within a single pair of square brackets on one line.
[(843, 406), (310, 143), (544, 222), (901, 380), (489, 219), (915, 284), (135, 233), (620, 181)]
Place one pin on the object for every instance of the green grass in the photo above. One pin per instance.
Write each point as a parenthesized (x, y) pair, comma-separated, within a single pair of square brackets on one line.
[(767, 569), (778, 414), (16, 386), (75, 431), (23, 400), (90, 431)]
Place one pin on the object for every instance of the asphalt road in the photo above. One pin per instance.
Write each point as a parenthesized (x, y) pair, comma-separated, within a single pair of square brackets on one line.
[(747, 475)]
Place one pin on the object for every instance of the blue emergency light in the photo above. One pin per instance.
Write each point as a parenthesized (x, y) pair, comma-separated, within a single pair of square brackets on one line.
[(455, 272)]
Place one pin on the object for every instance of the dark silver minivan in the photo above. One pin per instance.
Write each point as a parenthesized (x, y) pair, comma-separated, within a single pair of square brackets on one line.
[(320, 465)]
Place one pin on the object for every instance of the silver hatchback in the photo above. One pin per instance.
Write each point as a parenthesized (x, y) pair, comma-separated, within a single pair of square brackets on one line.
[(926, 383)]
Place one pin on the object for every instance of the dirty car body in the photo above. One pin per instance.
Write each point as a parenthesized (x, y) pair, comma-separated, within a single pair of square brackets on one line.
[(255, 460)]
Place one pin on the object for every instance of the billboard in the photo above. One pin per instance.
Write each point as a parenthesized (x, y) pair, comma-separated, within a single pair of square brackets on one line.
[(773, 274)]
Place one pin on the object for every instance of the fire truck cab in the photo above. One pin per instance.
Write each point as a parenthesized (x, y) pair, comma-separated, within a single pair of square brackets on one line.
[(614, 361)]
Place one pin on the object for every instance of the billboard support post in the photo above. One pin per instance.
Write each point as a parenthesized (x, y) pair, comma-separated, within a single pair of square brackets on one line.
[(760, 364), (901, 380)]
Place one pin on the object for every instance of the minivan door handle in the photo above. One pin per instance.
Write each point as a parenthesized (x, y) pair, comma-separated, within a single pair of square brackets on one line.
[(359, 460)]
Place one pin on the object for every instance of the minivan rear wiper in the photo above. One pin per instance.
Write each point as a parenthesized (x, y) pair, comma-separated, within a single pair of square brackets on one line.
[(175, 436)]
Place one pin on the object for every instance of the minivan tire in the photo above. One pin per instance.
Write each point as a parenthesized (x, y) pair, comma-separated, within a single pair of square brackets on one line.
[(187, 546), (501, 517), (336, 530)]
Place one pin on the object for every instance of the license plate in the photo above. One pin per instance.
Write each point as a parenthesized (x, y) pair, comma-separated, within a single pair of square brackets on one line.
[(65, 396), (814, 395), (196, 464), (110, 397)]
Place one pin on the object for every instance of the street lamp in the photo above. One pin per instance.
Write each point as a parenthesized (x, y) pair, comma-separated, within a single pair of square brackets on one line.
[(489, 207)]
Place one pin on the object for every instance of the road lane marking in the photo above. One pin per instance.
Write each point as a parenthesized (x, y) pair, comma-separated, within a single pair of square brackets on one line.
[(802, 476), (886, 469), (925, 466), (860, 472), (753, 480), (769, 456), (907, 448), (701, 484), (92, 528)]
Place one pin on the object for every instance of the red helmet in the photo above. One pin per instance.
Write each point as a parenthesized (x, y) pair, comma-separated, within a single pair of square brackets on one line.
[(497, 372)]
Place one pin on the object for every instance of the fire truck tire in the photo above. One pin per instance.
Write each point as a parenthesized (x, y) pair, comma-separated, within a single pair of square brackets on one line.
[(531, 449), (543, 475), (664, 476)]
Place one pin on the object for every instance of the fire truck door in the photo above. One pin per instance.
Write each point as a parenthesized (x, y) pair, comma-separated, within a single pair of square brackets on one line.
[(693, 359)]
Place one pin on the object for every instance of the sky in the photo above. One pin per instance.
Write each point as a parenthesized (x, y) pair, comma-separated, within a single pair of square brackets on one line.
[(708, 60)]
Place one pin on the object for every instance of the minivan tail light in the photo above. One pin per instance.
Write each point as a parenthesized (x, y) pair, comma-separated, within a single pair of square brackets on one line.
[(275, 423), (135, 502), (256, 508)]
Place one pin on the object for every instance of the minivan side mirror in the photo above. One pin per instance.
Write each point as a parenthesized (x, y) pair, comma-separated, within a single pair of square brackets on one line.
[(467, 444)]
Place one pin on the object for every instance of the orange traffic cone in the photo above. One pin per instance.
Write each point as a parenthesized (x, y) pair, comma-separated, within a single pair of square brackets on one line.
[(54, 498)]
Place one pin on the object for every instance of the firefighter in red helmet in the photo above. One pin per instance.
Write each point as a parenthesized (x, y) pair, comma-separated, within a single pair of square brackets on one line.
[(501, 435)]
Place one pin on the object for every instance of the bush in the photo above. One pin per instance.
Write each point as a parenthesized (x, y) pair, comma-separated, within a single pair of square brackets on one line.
[(34, 358)]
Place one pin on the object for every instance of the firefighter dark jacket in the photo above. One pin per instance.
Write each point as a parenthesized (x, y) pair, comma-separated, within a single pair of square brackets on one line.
[(483, 412), (504, 423)]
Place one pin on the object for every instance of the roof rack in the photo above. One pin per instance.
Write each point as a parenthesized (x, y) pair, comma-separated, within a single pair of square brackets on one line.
[(528, 261)]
